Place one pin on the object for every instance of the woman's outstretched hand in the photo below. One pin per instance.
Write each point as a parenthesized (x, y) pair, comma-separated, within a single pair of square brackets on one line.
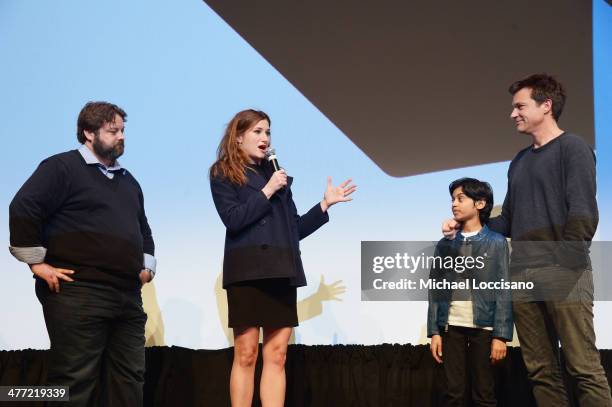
[(333, 194)]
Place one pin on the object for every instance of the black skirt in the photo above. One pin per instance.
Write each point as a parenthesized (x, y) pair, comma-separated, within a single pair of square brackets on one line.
[(269, 303)]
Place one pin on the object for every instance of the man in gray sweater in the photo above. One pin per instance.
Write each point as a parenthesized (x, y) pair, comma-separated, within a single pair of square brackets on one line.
[(550, 213)]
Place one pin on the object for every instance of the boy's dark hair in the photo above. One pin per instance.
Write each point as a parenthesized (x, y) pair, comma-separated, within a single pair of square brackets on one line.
[(478, 191), (543, 87), (94, 115)]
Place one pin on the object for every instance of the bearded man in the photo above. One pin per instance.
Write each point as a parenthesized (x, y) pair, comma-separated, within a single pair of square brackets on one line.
[(80, 225)]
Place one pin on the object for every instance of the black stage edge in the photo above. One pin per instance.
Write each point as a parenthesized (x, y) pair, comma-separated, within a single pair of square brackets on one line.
[(339, 375)]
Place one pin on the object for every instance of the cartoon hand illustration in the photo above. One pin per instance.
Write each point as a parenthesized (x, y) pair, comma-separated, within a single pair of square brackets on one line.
[(327, 292)]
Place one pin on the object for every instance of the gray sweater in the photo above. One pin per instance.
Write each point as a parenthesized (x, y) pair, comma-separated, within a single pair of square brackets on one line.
[(550, 210)]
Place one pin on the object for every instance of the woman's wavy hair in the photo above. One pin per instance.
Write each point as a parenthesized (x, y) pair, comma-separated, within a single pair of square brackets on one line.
[(231, 160)]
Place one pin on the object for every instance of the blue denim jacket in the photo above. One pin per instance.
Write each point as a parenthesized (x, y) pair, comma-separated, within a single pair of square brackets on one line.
[(491, 308)]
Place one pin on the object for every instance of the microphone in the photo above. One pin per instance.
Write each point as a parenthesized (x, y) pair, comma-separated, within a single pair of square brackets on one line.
[(271, 157)]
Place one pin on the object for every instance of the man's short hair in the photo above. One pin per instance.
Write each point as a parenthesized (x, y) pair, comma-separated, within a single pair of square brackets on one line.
[(477, 191), (94, 115), (543, 87)]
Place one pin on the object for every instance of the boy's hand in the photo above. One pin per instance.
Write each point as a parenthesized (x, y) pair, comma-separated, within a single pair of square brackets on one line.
[(436, 348), (498, 350), (449, 228)]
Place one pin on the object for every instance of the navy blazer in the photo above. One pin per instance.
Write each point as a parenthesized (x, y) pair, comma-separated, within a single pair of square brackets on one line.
[(262, 235)]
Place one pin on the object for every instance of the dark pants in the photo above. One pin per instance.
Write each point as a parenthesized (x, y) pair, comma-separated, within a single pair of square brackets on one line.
[(542, 324), (466, 352), (97, 340)]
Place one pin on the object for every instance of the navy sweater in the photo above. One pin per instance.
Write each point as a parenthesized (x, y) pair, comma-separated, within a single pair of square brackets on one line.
[(89, 223)]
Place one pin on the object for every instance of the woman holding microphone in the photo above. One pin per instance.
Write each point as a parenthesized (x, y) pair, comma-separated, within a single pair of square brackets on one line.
[(262, 266)]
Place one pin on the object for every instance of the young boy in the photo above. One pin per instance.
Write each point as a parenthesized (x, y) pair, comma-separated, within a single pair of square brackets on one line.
[(472, 325)]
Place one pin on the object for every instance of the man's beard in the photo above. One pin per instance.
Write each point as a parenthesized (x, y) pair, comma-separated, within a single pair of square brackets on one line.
[(108, 153)]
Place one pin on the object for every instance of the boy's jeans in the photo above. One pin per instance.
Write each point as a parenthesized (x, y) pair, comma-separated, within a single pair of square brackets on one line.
[(468, 347)]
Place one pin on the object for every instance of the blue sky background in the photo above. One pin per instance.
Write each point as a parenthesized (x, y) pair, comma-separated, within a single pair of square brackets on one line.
[(181, 73)]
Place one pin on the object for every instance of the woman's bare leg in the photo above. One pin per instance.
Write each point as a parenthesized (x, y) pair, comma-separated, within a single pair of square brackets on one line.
[(273, 381), (246, 343)]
